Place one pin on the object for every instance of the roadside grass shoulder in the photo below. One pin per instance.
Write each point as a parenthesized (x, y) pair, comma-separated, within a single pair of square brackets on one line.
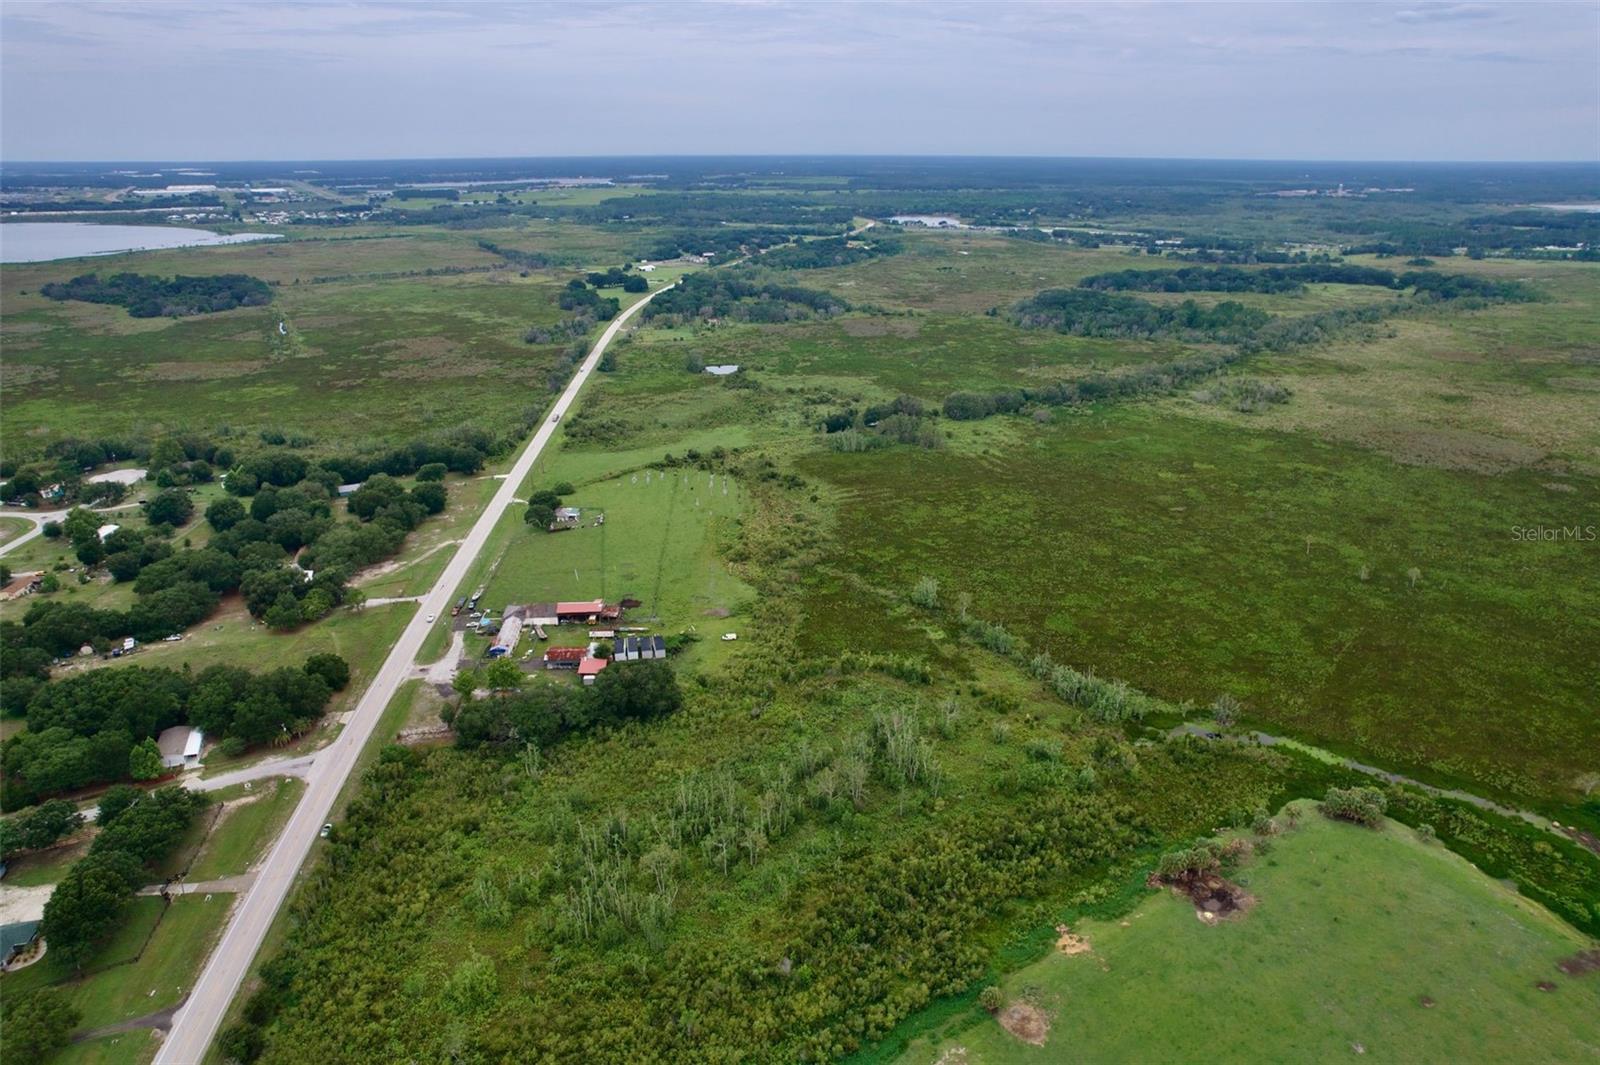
[(125, 1048), (244, 833)]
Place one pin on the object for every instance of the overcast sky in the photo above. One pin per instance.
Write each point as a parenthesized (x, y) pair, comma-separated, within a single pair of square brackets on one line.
[(219, 81)]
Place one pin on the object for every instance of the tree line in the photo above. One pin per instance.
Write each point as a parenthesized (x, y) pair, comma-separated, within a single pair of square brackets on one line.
[(250, 552), (829, 252), (136, 831), (100, 726), (708, 295), (1087, 312), (545, 714), (151, 296), (1290, 279)]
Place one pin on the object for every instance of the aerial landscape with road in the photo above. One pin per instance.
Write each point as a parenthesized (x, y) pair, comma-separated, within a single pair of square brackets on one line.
[(598, 575)]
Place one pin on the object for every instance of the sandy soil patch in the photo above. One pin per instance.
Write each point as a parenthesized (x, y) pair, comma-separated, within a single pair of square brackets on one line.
[(23, 903), (130, 475), (1068, 943), (1026, 1022), (198, 371)]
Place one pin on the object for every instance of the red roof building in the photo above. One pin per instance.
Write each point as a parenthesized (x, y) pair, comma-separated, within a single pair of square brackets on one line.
[(565, 657), (590, 668)]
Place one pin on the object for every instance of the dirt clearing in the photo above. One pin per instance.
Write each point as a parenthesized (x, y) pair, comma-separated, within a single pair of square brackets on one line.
[(1581, 963), (1068, 943), (1027, 1022)]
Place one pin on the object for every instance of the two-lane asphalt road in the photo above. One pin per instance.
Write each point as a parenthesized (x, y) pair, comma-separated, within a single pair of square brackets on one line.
[(196, 1023)]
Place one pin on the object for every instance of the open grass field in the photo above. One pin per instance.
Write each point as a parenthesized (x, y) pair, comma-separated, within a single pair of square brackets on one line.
[(1311, 973), (925, 355), (47, 866), (11, 528), (124, 1048), (382, 338), (966, 272), (364, 361), (1193, 559), (361, 635), (660, 543)]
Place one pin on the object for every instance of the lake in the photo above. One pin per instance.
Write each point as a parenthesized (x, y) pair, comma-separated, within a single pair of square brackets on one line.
[(38, 242), (933, 221)]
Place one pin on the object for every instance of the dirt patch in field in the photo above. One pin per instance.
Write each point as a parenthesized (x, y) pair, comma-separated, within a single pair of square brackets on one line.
[(953, 1056), (1581, 963), (1453, 449), (17, 329), (1069, 943), (454, 368), (1579, 384), (1214, 898), (878, 327), (1026, 1022), (433, 347), (322, 321), (198, 371), (21, 374)]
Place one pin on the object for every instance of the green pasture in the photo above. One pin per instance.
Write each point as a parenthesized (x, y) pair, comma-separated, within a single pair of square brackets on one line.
[(925, 354), (659, 543), (1314, 971), (965, 272), (372, 348)]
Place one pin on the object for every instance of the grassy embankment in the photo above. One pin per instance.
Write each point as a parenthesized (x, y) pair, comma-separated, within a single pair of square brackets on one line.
[(1310, 972)]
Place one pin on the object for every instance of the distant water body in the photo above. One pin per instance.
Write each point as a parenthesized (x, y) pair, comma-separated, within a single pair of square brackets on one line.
[(39, 242)]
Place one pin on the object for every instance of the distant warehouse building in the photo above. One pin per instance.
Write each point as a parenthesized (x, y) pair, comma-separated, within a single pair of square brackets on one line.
[(506, 641)]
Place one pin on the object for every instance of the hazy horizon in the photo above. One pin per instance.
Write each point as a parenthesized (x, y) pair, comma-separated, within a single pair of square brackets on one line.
[(611, 156), (1358, 82)]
